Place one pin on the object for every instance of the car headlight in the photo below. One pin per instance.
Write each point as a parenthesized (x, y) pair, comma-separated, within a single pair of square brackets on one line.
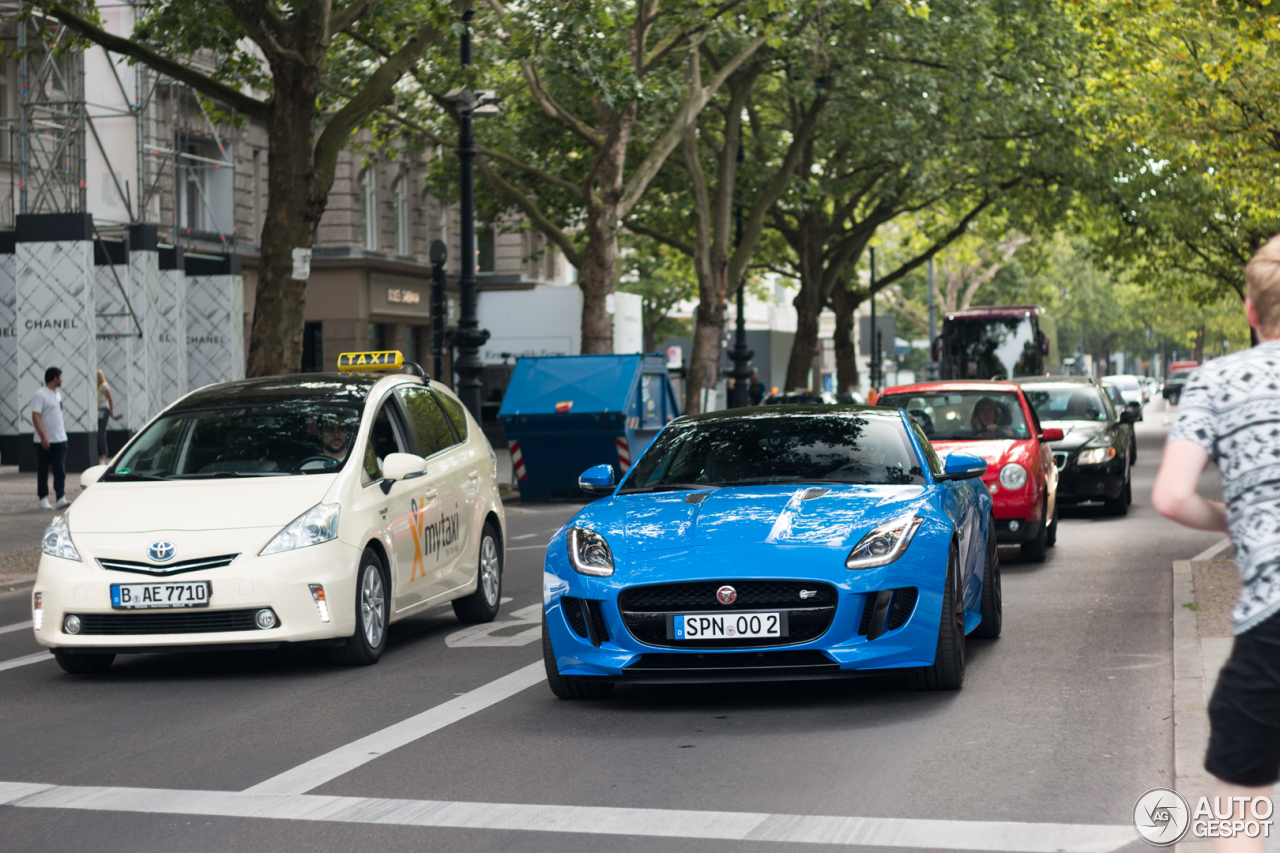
[(57, 540), (1013, 476), (1096, 455), (316, 525), (884, 544), (589, 554)]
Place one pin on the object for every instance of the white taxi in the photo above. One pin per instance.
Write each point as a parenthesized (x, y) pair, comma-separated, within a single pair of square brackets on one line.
[(312, 508)]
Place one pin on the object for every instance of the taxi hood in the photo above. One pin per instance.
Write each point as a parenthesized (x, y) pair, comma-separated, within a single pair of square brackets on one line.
[(221, 504)]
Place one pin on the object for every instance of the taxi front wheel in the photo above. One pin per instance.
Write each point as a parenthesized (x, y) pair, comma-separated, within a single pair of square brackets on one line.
[(365, 646), (482, 605)]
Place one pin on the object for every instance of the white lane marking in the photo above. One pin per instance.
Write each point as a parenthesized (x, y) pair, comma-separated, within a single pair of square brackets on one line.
[(344, 759), (1210, 553), (528, 547), (590, 820), (14, 663), (525, 536), (475, 636), (9, 629)]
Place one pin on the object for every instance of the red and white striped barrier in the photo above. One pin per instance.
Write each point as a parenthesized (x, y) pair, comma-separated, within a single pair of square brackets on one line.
[(517, 460), (624, 453)]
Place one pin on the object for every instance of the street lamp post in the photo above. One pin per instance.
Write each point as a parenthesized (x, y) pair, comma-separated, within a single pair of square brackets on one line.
[(470, 336), (741, 356)]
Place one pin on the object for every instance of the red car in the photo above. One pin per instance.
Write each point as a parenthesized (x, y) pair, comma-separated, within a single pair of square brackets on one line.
[(995, 421)]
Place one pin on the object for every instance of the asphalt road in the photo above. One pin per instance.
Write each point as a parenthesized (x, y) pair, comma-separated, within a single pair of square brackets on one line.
[(1065, 720)]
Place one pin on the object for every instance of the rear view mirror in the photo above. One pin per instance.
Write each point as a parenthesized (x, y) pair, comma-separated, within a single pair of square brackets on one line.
[(401, 466), (597, 480), (1052, 434), (963, 466), (92, 475)]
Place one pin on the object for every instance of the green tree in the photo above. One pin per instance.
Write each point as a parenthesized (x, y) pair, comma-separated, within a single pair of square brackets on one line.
[(663, 277)]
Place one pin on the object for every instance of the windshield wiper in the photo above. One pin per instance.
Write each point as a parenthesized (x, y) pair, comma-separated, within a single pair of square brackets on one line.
[(111, 475), (214, 475)]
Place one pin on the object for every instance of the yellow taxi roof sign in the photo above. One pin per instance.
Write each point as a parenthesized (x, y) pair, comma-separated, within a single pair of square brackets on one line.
[(388, 360)]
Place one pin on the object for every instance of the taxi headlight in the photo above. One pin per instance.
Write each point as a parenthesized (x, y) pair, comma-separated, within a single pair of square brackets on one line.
[(884, 544), (316, 525), (589, 554), (57, 540), (1013, 476), (1096, 455)]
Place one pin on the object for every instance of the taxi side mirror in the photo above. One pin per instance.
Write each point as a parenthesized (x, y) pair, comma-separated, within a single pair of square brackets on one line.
[(1052, 434), (401, 466), (92, 475), (597, 480)]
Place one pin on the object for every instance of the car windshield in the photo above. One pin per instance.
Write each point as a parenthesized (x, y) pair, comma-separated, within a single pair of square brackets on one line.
[(306, 436), (848, 447), (963, 415), (1069, 403), (990, 348), (1127, 383)]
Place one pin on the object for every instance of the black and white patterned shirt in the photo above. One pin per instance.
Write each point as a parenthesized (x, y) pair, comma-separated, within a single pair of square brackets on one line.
[(1231, 407)]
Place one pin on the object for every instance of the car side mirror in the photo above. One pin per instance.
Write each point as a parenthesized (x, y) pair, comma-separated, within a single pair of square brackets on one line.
[(1052, 434), (963, 466), (401, 466), (597, 480), (92, 475), (1128, 416)]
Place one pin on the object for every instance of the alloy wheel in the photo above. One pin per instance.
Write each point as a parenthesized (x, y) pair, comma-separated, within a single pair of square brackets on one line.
[(489, 570), (372, 606)]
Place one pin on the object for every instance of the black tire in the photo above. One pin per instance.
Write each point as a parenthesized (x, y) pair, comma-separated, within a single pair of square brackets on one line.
[(482, 605), (373, 587), (947, 671), (1119, 505), (1035, 550), (568, 686), (1051, 536), (992, 608), (82, 663), (1133, 451)]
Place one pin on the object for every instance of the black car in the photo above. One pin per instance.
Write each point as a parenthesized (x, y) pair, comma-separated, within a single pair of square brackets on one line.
[(1093, 458), (1174, 384), (1119, 403)]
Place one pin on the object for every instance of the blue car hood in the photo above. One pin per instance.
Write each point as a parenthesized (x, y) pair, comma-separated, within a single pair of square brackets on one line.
[(751, 515)]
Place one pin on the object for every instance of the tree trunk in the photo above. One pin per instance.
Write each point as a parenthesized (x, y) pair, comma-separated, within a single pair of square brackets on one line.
[(704, 361), (596, 280), (845, 303), (275, 341)]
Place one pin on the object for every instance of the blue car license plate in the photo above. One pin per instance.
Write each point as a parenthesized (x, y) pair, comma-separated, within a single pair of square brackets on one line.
[(726, 626)]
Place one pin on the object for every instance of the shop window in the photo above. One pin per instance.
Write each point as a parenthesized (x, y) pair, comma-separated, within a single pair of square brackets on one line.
[(486, 250), (313, 347)]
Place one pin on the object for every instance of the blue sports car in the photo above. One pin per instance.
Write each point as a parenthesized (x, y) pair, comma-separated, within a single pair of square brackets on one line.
[(787, 542)]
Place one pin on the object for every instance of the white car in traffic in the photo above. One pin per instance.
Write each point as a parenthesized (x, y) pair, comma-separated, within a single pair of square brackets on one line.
[(311, 508)]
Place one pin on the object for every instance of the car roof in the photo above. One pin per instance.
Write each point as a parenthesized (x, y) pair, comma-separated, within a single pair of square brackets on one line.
[(1056, 380), (352, 388), (794, 409), (953, 385), (978, 311)]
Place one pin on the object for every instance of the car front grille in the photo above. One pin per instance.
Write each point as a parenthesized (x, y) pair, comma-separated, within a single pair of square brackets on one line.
[(168, 569), (645, 610), (672, 663), (178, 622)]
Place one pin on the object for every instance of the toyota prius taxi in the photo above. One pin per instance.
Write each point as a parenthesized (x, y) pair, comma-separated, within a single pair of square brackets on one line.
[(781, 542), (313, 508)]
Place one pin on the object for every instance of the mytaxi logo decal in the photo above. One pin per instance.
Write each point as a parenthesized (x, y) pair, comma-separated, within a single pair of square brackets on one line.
[(428, 539)]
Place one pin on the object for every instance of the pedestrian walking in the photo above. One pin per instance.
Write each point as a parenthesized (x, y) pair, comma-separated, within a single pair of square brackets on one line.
[(51, 440), (106, 413), (1230, 413)]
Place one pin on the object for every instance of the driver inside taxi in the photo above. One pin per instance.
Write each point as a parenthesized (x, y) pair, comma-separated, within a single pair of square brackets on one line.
[(333, 434)]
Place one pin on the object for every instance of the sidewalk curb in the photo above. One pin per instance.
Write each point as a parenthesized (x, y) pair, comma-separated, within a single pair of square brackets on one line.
[(1190, 705)]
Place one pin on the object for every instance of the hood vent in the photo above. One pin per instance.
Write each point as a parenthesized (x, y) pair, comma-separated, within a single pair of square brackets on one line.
[(810, 494), (696, 497)]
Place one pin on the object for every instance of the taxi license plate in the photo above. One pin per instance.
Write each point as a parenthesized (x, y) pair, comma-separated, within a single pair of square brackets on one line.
[(146, 596), (726, 626)]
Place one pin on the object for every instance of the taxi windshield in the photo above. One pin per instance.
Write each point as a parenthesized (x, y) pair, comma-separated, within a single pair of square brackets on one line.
[(963, 415), (758, 450), (280, 439)]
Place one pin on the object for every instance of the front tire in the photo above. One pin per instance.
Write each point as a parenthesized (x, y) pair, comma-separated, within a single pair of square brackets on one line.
[(482, 605), (82, 663), (992, 607), (1051, 537), (568, 686), (373, 612), (947, 671), (1119, 505), (1035, 550)]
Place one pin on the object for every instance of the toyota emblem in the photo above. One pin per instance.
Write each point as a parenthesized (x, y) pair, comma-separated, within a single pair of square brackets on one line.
[(161, 551), (726, 595)]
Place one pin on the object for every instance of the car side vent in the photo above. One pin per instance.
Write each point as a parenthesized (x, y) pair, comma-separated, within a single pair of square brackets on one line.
[(886, 610), (597, 621), (572, 608), (868, 608), (696, 497), (904, 601), (813, 493)]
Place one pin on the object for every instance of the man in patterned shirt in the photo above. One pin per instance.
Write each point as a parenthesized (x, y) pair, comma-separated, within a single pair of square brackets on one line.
[(1230, 413)]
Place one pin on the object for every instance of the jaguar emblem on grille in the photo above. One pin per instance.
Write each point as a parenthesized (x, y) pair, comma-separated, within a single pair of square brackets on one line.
[(161, 551), (807, 593), (726, 595)]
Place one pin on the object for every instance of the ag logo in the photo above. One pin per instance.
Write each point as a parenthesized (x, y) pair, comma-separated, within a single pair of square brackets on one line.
[(1161, 816), (161, 551)]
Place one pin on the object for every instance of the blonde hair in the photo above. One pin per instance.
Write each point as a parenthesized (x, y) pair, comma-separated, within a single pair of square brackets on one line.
[(102, 378), (1262, 285)]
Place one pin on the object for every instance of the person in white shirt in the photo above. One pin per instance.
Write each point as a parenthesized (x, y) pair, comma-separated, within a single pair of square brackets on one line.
[(51, 438), (106, 413)]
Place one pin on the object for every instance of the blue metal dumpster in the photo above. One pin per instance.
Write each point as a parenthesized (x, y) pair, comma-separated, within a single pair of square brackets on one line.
[(563, 414)]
